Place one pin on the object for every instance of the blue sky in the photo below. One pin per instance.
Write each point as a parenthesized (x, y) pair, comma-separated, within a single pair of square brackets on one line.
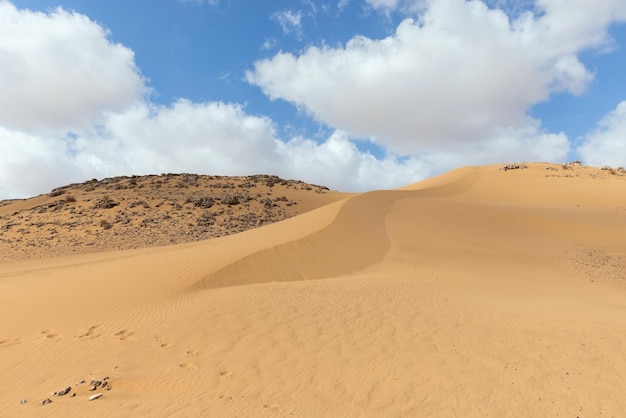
[(353, 94)]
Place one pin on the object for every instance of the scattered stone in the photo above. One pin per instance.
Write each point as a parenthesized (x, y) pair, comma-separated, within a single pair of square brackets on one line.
[(204, 202), (56, 192), (230, 200), (64, 391), (96, 396), (105, 203), (95, 384), (46, 401), (514, 166), (22, 401), (72, 395)]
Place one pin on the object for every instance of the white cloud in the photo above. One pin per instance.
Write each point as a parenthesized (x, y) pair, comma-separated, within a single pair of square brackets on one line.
[(32, 164), (211, 138), (339, 164), (447, 78), (607, 144), (269, 43), (60, 70), (219, 138), (204, 137), (289, 21), (383, 4)]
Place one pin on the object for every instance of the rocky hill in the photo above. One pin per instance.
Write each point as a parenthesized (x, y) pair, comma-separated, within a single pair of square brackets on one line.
[(142, 211)]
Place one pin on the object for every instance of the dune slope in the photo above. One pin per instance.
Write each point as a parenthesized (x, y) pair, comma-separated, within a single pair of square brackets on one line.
[(483, 292)]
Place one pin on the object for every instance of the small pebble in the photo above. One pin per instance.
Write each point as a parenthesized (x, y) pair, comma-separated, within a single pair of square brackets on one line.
[(94, 397), (46, 401), (23, 401)]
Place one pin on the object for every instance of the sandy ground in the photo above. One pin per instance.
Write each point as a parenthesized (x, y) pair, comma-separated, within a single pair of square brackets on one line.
[(482, 292)]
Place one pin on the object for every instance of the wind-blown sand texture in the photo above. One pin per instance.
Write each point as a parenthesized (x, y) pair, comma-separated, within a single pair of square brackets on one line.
[(482, 292)]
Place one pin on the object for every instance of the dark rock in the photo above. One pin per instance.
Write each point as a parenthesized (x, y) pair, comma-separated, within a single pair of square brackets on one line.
[(95, 384), (105, 203), (46, 401), (56, 192), (65, 391), (267, 202), (514, 167), (230, 200), (205, 220), (204, 202)]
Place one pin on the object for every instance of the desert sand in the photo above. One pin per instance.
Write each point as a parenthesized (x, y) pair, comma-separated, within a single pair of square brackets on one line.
[(481, 292)]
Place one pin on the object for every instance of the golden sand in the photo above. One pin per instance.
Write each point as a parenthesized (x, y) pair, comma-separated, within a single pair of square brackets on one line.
[(482, 292)]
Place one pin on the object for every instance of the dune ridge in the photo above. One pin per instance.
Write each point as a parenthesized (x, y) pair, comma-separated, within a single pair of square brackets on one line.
[(482, 292)]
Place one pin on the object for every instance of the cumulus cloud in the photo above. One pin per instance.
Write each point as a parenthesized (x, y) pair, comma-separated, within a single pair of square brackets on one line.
[(31, 164), (607, 144), (446, 77), (60, 70), (186, 136)]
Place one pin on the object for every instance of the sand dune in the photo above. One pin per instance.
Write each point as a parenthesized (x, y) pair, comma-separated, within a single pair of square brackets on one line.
[(482, 292)]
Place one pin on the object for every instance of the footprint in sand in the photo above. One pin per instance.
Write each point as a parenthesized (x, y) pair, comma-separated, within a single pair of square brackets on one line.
[(10, 342), (161, 343), (271, 406), (226, 374), (188, 365), (92, 332), (125, 335), (51, 334)]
